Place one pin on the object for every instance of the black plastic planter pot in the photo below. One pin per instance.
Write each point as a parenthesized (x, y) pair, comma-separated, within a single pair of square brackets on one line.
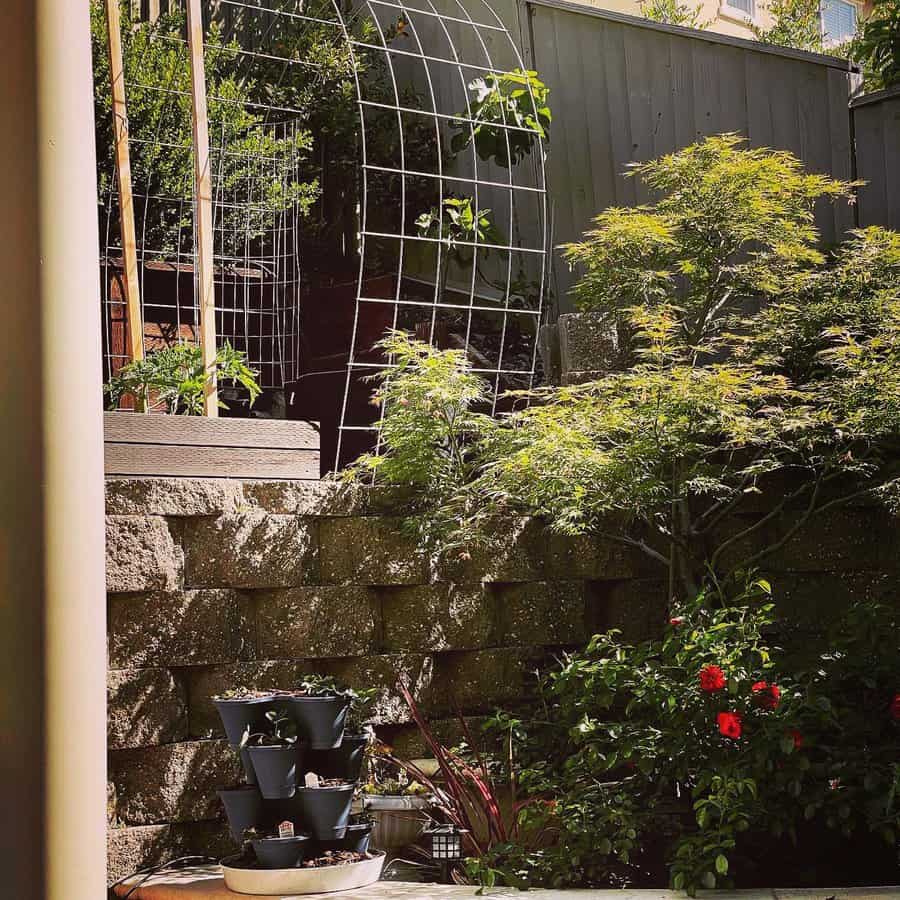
[(325, 810), (320, 720), (276, 770), (244, 809), (237, 715), (281, 853), (355, 839), (344, 762), (247, 763)]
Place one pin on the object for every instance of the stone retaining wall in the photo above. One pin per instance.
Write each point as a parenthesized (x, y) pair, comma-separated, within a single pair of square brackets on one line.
[(215, 583)]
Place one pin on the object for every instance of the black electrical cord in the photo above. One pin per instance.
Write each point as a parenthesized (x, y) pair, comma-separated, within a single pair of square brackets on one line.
[(180, 862)]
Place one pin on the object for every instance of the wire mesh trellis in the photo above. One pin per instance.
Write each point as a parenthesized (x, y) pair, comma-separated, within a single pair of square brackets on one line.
[(378, 201), (255, 152), (486, 298)]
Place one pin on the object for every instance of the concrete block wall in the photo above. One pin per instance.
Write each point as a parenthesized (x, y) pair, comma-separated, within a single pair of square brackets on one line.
[(213, 584)]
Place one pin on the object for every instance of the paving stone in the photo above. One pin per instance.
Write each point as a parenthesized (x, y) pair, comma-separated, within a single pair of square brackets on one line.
[(479, 680), (588, 342), (637, 608), (130, 849), (203, 838), (546, 612), (382, 672), (408, 743), (144, 707), (369, 550), (251, 550), (839, 540), (586, 556), (437, 617), (322, 621), (172, 496), (204, 683), (181, 628), (142, 554), (515, 550), (172, 783), (317, 498)]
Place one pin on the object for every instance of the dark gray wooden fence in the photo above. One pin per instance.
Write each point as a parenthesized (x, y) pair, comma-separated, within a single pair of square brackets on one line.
[(876, 127), (627, 90)]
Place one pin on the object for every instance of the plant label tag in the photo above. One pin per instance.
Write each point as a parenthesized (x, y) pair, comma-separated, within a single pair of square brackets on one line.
[(312, 780), (286, 829)]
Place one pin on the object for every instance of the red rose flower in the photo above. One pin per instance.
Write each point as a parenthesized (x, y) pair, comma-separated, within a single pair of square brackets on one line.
[(797, 738), (895, 708), (675, 621), (712, 679), (767, 695), (730, 724)]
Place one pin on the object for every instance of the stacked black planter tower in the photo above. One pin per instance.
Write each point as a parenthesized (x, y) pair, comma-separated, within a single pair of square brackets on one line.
[(276, 790)]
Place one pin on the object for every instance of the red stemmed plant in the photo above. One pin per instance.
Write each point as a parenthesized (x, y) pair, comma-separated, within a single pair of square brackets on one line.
[(465, 792)]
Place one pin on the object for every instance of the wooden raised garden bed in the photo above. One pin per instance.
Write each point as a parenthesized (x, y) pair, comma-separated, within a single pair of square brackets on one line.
[(197, 447)]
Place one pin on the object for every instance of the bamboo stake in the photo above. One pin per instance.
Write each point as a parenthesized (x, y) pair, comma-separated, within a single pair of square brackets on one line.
[(123, 178), (203, 207)]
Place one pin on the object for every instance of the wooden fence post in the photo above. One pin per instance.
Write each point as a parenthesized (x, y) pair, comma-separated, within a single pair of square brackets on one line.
[(135, 322), (203, 207)]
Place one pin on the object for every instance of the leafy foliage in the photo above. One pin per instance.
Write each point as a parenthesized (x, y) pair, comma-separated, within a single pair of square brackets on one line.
[(510, 109), (877, 45), (673, 12), (709, 737), (174, 378), (244, 153), (280, 732), (718, 402), (795, 23)]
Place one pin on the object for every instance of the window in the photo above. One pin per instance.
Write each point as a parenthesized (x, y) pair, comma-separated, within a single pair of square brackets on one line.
[(838, 21), (744, 9)]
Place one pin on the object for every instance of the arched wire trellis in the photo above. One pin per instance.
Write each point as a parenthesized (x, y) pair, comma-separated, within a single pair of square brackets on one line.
[(488, 317), (414, 73)]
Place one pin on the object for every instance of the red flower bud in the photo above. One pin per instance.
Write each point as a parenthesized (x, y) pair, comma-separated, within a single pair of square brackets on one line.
[(895, 707), (675, 621), (767, 695), (797, 738), (712, 679), (730, 724)]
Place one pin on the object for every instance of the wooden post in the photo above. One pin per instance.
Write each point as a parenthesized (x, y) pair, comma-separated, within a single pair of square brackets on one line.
[(203, 207), (123, 178)]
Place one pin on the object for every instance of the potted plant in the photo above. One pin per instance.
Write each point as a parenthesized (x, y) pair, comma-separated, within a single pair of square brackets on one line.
[(398, 807), (243, 808), (318, 708), (240, 709), (345, 761), (274, 754), (356, 837), (324, 805), (276, 852)]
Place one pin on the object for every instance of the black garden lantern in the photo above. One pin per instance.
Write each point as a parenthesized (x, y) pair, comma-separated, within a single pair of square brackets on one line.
[(446, 846)]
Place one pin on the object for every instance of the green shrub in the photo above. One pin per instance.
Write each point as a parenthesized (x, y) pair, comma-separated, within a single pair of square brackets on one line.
[(174, 378), (721, 409), (710, 736)]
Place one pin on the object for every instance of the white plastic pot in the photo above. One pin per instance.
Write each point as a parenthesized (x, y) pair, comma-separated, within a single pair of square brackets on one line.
[(399, 820), (278, 882)]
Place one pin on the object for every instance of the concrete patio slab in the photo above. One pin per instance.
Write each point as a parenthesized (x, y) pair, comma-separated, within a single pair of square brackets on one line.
[(205, 883)]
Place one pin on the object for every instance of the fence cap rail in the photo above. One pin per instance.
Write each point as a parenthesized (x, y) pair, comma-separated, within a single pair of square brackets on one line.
[(712, 37), (875, 96)]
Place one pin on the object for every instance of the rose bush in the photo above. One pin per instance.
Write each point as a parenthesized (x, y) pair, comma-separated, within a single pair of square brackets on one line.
[(711, 738)]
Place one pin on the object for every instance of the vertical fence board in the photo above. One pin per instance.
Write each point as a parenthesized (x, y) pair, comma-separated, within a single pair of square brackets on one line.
[(627, 90), (876, 127)]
